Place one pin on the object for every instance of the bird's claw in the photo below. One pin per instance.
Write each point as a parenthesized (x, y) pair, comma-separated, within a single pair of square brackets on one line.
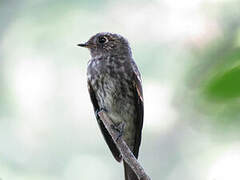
[(97, 116), (97, 111)]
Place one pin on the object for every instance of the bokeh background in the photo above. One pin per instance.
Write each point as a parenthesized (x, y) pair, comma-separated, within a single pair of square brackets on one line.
[(188, 52)]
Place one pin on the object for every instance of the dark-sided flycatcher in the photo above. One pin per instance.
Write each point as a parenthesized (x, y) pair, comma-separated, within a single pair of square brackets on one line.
[(114, 84)]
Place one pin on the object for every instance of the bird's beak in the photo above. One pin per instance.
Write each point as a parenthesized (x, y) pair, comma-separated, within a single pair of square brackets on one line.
[(84, 45)]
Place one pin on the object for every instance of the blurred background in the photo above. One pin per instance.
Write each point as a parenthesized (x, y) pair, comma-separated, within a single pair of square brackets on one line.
[(188, 52)]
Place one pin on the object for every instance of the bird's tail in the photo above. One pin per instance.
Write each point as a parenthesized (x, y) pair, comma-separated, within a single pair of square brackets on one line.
[(129, 173)]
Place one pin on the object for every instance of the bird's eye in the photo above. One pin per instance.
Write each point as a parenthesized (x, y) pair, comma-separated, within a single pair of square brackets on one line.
[(102, 39)]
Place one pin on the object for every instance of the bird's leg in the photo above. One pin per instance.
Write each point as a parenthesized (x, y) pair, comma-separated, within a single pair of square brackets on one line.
[(120, 129)]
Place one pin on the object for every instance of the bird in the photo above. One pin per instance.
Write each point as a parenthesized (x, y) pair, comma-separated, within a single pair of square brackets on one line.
[(115, 86)]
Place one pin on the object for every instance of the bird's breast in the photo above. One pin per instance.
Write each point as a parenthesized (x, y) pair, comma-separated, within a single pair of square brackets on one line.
[(112, 86)]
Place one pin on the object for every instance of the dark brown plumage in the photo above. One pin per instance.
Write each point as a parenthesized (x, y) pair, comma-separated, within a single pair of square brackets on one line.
[(114, 84)]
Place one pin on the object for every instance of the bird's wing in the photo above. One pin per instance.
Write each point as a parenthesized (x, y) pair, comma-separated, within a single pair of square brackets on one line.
[(117, 155), (137, 85)]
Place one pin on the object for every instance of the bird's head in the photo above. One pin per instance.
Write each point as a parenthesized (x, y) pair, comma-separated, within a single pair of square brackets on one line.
[(105, 44)]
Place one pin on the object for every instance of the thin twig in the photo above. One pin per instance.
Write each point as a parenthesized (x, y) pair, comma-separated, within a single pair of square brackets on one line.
[(123, 147)]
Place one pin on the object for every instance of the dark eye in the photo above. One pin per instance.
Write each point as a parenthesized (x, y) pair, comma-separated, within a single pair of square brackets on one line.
[(102, 39)]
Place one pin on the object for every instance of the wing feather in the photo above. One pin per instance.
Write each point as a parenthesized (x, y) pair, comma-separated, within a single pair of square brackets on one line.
[(139, 106)]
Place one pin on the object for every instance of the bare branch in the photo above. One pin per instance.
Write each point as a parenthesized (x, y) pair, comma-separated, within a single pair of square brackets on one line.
[(123, 147)]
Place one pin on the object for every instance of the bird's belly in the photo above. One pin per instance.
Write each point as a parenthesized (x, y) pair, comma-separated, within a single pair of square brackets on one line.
[(116, 96)]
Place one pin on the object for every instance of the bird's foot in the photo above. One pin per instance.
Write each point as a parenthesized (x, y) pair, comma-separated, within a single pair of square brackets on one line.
[(97, 111), (120, 129)]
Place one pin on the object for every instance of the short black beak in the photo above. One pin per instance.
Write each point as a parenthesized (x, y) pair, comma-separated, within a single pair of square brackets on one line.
[(83, 45)]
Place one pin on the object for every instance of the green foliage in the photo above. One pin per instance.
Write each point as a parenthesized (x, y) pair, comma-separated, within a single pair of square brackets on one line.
[(224, 86)]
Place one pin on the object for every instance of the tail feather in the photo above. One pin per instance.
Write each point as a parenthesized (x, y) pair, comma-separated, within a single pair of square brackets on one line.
[(129, 173)]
